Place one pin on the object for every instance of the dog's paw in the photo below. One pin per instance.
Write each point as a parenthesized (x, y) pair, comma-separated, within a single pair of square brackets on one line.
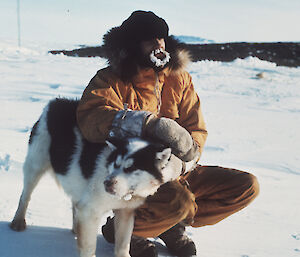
[(18, 225)]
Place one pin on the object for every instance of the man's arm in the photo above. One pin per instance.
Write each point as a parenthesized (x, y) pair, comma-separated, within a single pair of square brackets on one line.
[(97, 109), (190, 114), (101, 115)]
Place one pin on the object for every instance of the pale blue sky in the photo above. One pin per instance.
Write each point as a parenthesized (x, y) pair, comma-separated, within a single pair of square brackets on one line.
[(85, 21)]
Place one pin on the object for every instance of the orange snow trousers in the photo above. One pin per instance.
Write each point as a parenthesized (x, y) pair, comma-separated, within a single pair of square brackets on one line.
[(204, 196)]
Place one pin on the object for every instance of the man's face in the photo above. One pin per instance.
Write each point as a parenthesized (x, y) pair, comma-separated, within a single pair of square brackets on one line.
[(154, 54), (153, 44)]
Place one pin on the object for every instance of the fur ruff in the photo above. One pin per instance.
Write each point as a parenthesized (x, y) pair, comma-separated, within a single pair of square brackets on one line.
[(123, 56)]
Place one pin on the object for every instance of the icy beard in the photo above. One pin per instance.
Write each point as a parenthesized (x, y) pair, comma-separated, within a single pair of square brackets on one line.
[(162, 60), (156, 60)]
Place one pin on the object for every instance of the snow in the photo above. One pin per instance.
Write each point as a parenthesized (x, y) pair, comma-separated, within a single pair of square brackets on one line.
[(253, 125)]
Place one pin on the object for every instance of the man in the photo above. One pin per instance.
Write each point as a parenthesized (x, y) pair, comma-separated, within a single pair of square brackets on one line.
[(146, 91)]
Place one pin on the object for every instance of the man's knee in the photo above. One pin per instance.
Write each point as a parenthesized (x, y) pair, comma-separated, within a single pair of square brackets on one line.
[(184, 202), (170, 199), (253, 185), (171, 204)]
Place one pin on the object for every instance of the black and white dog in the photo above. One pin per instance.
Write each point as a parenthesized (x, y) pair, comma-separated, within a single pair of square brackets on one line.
[(114, 176)]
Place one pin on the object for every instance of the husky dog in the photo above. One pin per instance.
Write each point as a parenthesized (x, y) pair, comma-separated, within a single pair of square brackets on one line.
[(116, 175)]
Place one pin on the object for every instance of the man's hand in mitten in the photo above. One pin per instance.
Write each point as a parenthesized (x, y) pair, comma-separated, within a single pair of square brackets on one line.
[(129, 123)]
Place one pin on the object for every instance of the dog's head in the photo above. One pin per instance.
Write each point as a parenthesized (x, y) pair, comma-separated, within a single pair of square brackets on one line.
[(137, 168)]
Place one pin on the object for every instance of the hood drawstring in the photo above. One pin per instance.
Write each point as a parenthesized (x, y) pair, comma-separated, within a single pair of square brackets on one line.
[(126, 109), (157, 93)]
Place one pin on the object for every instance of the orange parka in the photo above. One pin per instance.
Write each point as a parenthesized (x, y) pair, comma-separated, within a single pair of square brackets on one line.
[(172, 93)]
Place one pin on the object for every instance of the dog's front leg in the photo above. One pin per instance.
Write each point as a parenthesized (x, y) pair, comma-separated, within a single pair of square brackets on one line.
[(124, 221), (87, 223)]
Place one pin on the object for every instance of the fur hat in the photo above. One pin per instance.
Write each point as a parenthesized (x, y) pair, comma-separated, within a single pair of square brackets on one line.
[(120, 44), (142, 25)]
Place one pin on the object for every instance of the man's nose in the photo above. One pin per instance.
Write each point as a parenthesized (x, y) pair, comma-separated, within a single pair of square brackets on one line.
[(158, 42)]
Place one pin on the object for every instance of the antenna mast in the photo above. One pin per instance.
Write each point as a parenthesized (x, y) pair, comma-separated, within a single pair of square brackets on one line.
[(19, 23)]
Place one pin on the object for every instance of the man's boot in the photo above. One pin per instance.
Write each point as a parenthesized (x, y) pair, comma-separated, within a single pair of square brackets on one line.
[(139, 246), (178, 242)]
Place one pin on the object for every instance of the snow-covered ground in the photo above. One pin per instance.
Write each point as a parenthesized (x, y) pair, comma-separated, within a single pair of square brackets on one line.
[(253, 125)]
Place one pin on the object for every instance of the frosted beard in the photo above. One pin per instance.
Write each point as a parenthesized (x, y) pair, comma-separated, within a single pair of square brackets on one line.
[(159, 57)]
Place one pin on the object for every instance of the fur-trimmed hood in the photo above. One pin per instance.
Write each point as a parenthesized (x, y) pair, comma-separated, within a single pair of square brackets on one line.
[(122, 54)]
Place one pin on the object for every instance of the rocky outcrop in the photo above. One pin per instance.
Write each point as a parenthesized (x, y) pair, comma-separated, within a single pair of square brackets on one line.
[(281, 53)]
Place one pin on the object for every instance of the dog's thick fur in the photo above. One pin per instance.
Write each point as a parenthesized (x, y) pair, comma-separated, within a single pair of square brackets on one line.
[(114, 176)]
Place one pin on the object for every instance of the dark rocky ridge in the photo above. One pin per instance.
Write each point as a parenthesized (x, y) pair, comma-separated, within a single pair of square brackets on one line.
[(281, 53)]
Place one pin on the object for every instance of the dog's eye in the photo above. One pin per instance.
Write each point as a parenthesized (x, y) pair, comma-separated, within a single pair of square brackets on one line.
[(129, 170), (128, 163)]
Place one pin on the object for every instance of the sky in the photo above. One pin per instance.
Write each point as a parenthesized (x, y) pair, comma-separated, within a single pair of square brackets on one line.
[(85, 21)]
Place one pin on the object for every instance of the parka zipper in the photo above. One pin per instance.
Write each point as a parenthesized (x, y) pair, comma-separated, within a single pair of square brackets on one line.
[(157, 93)]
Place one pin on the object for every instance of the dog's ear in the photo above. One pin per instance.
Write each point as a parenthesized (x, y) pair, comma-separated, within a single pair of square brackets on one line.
[(164, 154), (163, 157), (111, 145)]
